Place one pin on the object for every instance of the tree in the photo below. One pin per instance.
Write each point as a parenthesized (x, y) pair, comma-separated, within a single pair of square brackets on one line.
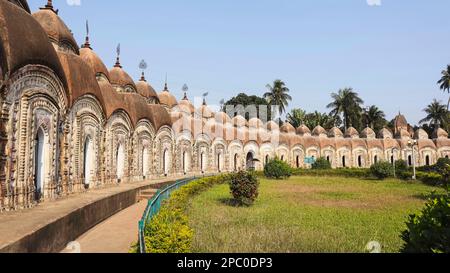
[(296, 117), (444, 82), (278, 95), (348, 104), (245, 100), (437, 115), (375, 118), (315, 119)]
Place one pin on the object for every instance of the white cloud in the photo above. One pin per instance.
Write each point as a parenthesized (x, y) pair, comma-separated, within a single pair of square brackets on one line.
[(73, 2), (374, 2)]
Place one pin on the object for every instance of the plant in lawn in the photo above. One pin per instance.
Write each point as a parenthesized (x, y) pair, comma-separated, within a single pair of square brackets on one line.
[(277, 169), (321, 164), (382, 170), (429, 231), (244, 187)]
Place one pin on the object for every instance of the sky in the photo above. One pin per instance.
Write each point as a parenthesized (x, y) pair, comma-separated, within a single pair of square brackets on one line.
[(390, 51)]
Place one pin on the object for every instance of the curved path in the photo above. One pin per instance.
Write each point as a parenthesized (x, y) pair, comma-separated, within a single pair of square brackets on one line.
[(114, 235)]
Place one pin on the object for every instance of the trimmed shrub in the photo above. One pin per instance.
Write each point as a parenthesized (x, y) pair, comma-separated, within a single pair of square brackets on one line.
[(382, 170), (345, 172), (442, 164), (244, 187), (168, 231), (321, 164), (430, 178), (277, 169), (429, 231), (401, 166)]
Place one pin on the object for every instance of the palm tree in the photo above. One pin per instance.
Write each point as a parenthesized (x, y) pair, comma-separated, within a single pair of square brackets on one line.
[(278, 95), (296, 117), (314, 119), (437, 115), (375, 118), (347, 103), (444, 82)]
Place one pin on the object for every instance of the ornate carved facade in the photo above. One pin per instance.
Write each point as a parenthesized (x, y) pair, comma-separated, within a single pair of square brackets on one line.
[(69, 125)]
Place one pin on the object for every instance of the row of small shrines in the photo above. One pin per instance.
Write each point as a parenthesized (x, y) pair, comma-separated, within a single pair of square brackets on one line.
[(68, 125)]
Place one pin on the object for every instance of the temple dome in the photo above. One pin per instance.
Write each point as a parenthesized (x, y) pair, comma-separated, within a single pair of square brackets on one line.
[(385, 134), (120, 78), (186, 106), (255, 123), (303, 130), (272, 126), (351, 133), (204, 111), (146, 90), (335, 132), (22, 4), (239, 121), (319, 131), (167, 99), (24, 42), (56, 29), (93, 60), (368, 133), (440, 133), (287, 128)]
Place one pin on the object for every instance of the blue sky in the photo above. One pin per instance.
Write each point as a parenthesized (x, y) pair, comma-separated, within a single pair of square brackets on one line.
[(391, 54)]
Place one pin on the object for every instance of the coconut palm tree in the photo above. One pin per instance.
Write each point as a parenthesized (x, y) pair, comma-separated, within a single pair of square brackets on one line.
[(348, 104), (296, 117), (375, 118), (437, 115), (444, 82), (278, 95)]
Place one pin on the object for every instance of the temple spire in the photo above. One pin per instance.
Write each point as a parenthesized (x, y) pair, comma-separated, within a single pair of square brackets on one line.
[(165, 85), (87, 44), (49, 6), (143, 77), (118, 57), (185, 96)]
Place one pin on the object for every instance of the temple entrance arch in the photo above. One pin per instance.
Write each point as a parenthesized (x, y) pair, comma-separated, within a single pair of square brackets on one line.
[(40, 166), (250, 161), (120, 158), (88, 156)]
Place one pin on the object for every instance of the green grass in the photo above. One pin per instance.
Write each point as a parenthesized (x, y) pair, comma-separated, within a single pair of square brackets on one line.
[(307, 214)]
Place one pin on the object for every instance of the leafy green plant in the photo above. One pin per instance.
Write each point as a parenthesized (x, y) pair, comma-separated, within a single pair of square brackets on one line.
[(401, 166), (321, 164), (168, 231), (343, 172), (429, 231), (244, 187), (430, 178), (277, 169), (382, 170)]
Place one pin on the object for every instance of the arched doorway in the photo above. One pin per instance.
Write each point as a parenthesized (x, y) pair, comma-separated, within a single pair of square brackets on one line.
[(250, 161), (266, 160), (409, 160), (343, 162), (145, 156), (219, 164), (375, 159), (184, 163), (166, 162), (120, 161), (88, 156), (39, 164), (427, 160), (235, 162), (202, 162), (297, 161), (359, 161)]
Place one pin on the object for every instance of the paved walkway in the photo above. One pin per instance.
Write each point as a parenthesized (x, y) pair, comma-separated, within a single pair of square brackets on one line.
[(19, 224), (114, 235)]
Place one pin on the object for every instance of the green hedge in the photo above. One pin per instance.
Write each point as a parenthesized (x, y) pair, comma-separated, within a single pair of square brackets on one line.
[(168, 231), (353, 172)]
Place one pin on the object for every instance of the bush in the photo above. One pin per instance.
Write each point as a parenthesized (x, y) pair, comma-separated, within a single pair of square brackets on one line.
[(382, 170), (430, 178), (401, 166), (429, 231), (321, 164), (244, 187), (168, 231), (346, 172), (442, 164), (277, 169)]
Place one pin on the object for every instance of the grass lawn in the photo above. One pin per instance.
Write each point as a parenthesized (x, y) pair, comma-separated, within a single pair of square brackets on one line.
[(307, 214)]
